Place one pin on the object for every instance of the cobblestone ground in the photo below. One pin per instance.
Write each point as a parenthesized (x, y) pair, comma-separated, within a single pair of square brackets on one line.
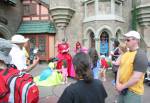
[(52, 94)]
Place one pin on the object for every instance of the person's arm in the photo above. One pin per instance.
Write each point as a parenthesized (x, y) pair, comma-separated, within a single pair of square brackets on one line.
[(117, 78), (31, 66), (117, 62), (136, 76)]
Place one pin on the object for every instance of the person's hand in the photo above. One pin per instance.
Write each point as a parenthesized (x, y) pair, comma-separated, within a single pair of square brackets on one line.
[(36, 60), (111, 53), (115, 63), (119, 87)]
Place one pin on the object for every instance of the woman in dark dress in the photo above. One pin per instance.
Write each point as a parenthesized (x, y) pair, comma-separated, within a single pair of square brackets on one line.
[(86, 89), (115, 53)]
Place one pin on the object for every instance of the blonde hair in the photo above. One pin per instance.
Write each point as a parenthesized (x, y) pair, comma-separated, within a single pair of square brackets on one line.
[(123, 47)]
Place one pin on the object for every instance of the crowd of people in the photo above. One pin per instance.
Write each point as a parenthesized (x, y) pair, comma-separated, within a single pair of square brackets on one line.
[(87, 66)]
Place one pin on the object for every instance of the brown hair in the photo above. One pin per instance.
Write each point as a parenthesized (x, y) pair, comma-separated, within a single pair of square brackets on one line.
[(81, 62), (93, 56), (78, 44)]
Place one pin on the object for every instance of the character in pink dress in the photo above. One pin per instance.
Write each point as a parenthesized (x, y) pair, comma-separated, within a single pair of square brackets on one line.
[(64, 71), (79, 48)]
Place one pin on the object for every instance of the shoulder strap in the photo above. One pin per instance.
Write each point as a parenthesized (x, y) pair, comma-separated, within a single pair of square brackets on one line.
[(9, 66), (116, 49)]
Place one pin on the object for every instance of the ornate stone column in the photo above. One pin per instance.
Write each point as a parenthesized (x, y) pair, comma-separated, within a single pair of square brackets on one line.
[(97, 44), (143, 19), (112, 7), (85, 42), (61, 12)]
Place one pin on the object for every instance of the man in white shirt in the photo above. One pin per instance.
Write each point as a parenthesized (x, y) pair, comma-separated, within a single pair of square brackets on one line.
[(18, 55)]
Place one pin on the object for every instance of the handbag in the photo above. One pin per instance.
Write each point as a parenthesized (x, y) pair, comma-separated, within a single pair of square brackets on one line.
[(124, 91), (115, 67)]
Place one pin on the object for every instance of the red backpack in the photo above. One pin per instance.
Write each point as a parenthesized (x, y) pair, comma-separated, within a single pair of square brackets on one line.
[(17, 87)]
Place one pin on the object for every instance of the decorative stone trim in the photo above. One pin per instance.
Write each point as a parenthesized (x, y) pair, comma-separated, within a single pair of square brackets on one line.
[(62, 15), (96, 39), (104, 17), (4, 30), (84, 39), (143, 15)]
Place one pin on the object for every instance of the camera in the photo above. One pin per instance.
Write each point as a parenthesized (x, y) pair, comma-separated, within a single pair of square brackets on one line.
[(33, 54)]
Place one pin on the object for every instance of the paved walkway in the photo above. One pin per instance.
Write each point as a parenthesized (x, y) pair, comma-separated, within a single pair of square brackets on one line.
[(52, 94)]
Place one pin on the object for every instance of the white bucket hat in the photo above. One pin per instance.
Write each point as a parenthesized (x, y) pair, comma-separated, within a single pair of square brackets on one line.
[(19, 39), (102, 56), (134, 34), (5, 47)]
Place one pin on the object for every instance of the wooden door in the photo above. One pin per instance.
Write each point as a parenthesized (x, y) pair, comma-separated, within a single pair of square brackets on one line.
[(41, 42)]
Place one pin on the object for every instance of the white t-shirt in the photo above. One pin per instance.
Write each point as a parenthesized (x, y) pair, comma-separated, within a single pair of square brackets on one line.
[(18, 57)]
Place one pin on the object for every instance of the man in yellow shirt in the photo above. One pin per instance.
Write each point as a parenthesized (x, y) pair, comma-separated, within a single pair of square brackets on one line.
[(133, 65)]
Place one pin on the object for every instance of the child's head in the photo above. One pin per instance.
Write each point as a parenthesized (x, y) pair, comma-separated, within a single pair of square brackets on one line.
[(85, 50), (82, 66), (51, 65), (78, 45), (116, 43), (53, 62), (93, 53), (5, 47), (93, 56), (102, 56), (122, 48), (53, 59)]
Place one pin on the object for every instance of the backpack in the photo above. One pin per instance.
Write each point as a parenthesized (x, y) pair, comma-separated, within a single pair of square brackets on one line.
[(17, 87)]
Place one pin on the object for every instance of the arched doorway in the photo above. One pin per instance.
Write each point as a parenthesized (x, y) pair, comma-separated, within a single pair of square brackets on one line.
[(104, 43), (92, 40)]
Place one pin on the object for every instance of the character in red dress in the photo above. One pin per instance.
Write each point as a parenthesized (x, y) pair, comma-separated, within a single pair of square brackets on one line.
[(63, 54)]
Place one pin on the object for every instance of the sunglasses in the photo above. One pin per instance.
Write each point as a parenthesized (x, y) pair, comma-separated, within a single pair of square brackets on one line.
[(128, 40)]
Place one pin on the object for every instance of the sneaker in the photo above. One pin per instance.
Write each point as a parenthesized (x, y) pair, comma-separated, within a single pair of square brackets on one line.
[(66, 82), (115, 101), (62, 83)]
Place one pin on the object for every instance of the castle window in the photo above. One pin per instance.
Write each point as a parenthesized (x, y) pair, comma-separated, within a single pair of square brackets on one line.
[(90, 9), (104, 7), (118, 8), (29, 9)]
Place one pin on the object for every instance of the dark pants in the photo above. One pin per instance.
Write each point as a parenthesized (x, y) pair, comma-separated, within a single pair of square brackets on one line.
[(115, 76)]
